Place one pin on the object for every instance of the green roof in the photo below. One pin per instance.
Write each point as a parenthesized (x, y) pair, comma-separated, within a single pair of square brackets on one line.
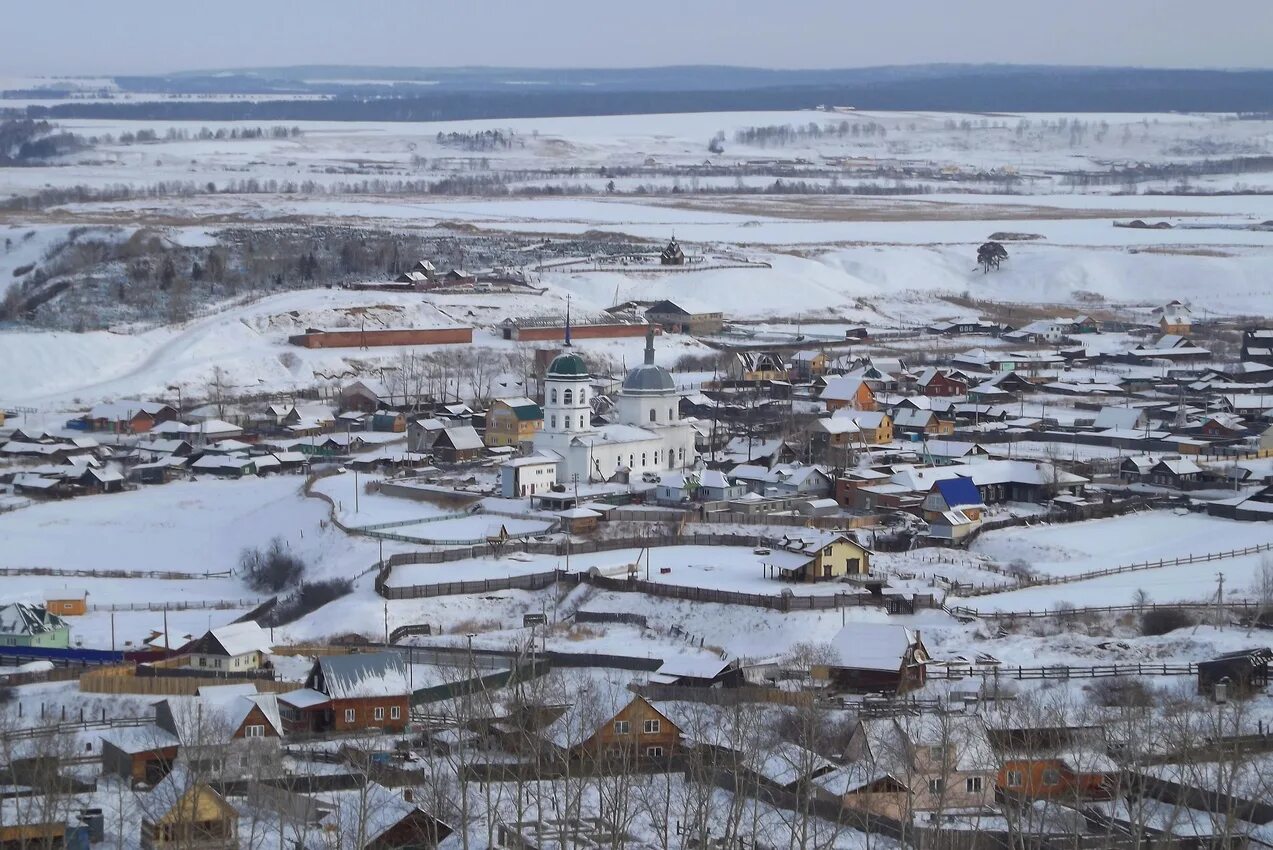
[(526, 412), (568, 365)]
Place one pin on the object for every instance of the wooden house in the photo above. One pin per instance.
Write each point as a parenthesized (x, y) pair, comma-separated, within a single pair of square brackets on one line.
[(379, 818), (304, 711), (458, 444), (761, 366), (807, 365), (843, 391), (359, 397), (1053, 763), (1235, 674), (513, 422), (611, 723), (874, 658), (366, 691), (389, 421), (937, 383), (67, 602), (904, 764), (674, 318), (1175, 317), (185, 813), (129, 417), (235, 647), (831, 555), (139, 753)]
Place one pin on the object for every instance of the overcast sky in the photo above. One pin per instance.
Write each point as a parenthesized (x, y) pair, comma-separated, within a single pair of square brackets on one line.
[(48, 37)]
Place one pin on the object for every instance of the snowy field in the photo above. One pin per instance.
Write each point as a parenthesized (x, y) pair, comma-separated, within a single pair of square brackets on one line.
[(1072, 548), (731, 568)]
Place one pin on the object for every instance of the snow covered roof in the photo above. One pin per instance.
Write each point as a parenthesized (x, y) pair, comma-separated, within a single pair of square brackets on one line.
[(19, 618), (463, 438), (241, 638), (119, 411), (872, 646), (304, 698), (841, 388), (360, 820), (372, 674), (1117, 417)]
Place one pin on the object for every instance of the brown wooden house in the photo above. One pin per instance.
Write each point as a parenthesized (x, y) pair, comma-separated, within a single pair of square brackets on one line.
[(875, 658), (366, 691)]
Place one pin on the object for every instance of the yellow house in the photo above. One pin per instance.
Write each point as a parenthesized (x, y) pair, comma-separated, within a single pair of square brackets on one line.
[(182, 811), (848, 428), (831, 555), (513, 422), (67, 602)]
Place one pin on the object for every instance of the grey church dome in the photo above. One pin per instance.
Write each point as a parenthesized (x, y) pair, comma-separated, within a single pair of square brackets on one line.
[(649, 378)]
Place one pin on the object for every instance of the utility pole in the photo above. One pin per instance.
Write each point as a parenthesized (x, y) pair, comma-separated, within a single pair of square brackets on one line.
[(386, 622), (1220, 601)]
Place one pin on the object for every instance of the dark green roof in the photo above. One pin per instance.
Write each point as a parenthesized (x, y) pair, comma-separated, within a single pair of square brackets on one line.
[(568, 365), (526, 412)]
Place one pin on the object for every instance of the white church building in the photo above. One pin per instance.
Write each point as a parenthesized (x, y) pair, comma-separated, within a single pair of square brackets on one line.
[(649, 435)]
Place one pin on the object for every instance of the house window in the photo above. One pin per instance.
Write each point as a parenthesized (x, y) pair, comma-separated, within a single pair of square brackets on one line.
[(552, 395), (254, 731), (395, 712), (654, 752), (568, 397), (1015, 779), (552, 421), (652, 727), (654, 417), (350, 714), (1051, 776), (379, 712), (203, 662), (622, 727), (973, 784), (216, 663), (936, 786)]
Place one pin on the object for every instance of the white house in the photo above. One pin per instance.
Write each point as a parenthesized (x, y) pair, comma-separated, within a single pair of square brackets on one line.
[(527, 476)]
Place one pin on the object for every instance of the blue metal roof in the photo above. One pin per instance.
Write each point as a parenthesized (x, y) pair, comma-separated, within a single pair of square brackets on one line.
[(959, 492)]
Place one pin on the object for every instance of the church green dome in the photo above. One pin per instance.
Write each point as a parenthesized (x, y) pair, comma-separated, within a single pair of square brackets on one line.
[(567, 366)]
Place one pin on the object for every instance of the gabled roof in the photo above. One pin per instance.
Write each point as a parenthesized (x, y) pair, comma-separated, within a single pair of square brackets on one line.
[(958, 492), (19, 618), (522, 407), (843, 388), (460, 438), (239, 639), (371, 674), (872, 646)]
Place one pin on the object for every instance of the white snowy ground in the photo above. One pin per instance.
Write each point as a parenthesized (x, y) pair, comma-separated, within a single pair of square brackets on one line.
[(1072, 548), (185, 527), (732, 568)]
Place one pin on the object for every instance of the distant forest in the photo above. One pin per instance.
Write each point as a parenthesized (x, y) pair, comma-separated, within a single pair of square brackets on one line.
[(495, 94)]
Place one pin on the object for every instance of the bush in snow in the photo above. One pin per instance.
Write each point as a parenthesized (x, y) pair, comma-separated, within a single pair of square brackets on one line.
[(309, 598), (1160, 621), (1122, 693), (272, 569)]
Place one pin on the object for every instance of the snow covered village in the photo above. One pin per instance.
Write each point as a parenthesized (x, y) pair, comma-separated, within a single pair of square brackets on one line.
[(798, 477)]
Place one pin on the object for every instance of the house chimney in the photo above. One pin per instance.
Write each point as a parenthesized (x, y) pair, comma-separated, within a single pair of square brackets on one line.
[(408, 795)]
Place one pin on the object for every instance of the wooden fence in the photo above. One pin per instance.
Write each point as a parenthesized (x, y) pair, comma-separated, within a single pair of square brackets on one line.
[(965, 612), (1140, 566), (194, 605), (156, 574), (1060, 671), (124, 680)]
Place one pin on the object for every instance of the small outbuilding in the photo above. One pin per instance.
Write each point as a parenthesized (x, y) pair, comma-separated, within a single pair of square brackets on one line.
[(1235, 674)]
